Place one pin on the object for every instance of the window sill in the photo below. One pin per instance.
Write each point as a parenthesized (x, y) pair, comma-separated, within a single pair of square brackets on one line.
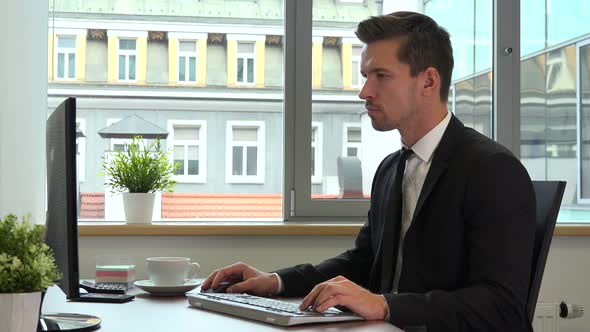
[(216, 228), (252, 229)]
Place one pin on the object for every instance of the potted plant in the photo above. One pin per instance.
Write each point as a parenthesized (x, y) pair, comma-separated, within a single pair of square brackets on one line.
[(27, 268), (138, 173)]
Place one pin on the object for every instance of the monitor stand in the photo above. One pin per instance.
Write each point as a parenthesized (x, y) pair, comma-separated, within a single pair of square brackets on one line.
[(66, 322)]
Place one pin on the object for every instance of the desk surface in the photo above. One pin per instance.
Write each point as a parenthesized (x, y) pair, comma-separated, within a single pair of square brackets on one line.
[(150, 313)]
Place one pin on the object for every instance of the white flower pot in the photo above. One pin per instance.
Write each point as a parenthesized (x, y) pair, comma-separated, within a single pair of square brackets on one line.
[(138, 207), (19, 312)]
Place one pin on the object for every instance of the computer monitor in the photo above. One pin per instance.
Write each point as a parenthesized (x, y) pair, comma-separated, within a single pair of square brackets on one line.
[(62, 214)]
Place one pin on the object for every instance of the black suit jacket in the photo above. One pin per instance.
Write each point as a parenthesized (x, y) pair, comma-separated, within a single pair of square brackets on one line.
[(467, 254)]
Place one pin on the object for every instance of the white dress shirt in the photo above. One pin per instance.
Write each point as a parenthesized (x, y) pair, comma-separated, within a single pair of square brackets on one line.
[(417, 167)]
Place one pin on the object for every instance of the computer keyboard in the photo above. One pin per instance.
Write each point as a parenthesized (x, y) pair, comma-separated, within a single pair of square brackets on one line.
[(271, 311)]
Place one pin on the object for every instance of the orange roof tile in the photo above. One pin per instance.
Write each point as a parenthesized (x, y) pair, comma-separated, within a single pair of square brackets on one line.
[(202, 205)]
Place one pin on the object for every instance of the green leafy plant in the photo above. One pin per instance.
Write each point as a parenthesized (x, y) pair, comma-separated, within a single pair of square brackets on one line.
[(26, 262), (140, 168)]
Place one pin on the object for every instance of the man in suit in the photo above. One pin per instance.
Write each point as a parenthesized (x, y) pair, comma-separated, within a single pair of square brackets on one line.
[(449, 237)]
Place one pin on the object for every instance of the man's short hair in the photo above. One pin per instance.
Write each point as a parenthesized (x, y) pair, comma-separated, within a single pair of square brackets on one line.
[(423, 43)]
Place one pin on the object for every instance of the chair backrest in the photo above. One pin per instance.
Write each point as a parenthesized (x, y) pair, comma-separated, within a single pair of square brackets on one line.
[(548, 195)]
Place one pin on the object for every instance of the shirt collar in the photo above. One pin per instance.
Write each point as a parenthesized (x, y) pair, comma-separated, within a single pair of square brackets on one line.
[(425, 146)]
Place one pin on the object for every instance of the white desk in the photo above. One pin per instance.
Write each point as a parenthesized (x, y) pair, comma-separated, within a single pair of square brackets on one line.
[(162, 314)]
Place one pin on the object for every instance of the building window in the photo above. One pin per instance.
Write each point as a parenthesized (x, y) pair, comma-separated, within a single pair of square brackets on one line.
[(316, 152), (352, 141), (188, 141), (245, 152), (127, 54), (245, 63), (357, 79), (66, 58), (81, 149), (187, 61)]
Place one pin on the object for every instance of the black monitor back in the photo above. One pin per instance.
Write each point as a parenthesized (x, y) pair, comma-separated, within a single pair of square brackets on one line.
[(62, 219)]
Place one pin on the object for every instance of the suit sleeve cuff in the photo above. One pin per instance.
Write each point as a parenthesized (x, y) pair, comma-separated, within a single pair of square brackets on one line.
[(386, 305)]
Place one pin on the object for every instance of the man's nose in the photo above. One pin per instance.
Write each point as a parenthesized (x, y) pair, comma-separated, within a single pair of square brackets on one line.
[(366, 93)]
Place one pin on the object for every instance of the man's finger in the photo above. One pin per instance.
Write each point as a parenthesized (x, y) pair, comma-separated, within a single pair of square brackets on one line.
[(310, 298)]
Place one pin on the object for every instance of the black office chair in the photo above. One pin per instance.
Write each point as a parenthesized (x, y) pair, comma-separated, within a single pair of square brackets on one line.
[(549, 195)]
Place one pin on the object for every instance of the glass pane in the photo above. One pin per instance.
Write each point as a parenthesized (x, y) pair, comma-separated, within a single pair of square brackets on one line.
[(351, 152), (71, 65), (127, 44), (313, 161), (61, 63), (66, 42), (193, 160), (245, 134), (179, 158), (250, 70), (550, 126), (565, 20), (192, 69), (355, 72), (252, 156), (154, 104), (181, 68), (354, 135), (246, 48), (187, 46), (237, 160), (186, 133), (532, 26), (132, 67), (122, 67), (240, 70)]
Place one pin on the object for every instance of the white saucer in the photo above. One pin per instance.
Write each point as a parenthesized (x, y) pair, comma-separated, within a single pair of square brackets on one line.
[(147, 286)]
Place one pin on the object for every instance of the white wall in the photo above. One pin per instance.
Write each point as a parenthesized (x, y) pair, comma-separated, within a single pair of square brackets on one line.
[(566, 276), (23, 107)]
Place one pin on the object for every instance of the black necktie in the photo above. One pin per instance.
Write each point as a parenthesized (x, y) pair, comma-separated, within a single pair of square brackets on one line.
[(396, 219)]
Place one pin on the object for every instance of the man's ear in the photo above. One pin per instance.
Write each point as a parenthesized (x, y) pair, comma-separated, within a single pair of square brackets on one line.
[(431, 82)]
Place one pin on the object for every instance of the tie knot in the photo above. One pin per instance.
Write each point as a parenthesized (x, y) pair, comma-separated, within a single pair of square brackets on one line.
[(406, 153)]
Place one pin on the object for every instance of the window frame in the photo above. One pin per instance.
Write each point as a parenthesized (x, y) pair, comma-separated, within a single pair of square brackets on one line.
[(187, 56), (66, 51), (245, 56), (345, 142), (579, 143), (127, 54), (260, 153), (201, 143)]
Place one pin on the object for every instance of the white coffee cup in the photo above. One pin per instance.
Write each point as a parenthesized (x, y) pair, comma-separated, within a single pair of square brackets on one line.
[(171, 271)]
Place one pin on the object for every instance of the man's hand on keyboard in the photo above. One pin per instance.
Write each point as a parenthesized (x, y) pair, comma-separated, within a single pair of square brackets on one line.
[(248, 280), (343, 292)]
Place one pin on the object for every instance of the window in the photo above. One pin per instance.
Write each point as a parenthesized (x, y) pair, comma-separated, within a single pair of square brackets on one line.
[(316, 152), (127, 54), (66, 58), (245, 152), (245, 63), (187, 61), (188, 141), (81, 149), (352, 141), (357, 78)]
